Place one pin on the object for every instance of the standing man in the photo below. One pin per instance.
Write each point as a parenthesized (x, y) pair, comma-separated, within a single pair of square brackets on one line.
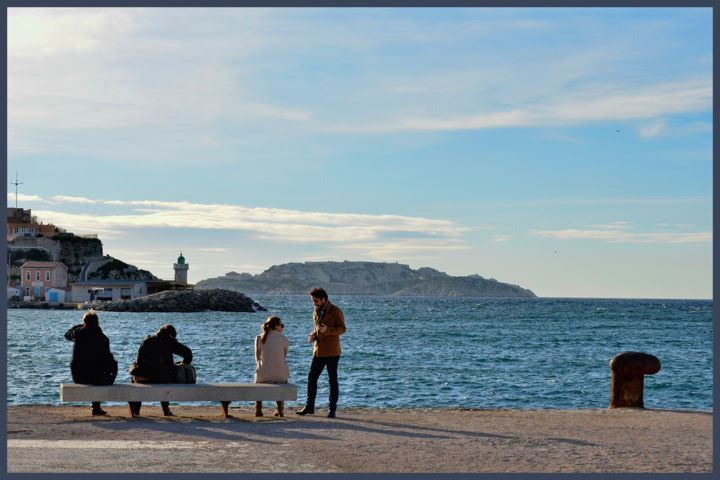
[(329, 325)]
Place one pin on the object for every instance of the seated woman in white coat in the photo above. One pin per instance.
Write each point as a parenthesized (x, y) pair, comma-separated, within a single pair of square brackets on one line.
[(271, 350)]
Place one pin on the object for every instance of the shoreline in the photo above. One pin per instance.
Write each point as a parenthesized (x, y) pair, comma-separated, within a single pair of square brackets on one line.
[(363, 440)]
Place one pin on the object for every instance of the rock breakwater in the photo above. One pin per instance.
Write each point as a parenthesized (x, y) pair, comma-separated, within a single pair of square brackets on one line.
[(216, 299)]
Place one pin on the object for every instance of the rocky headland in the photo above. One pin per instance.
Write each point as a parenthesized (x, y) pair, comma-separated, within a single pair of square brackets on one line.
[(363, 278), (185, 301), (83, 256)]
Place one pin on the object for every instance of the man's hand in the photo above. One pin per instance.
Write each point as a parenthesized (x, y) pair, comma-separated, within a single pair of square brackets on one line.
[(322, 328)]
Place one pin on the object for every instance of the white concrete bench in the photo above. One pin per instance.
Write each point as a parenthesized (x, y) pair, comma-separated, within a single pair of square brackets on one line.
[(179, 392)]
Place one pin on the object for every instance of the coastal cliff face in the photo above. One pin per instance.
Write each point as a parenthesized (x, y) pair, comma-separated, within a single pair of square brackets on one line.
[(363, 278), (83, 257)]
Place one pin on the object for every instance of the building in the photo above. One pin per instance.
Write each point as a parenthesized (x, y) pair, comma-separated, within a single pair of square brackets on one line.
[(180, 282), (21, 223), (38, 278), (19, 215), (115, 290), (108, 290), (181, 268)]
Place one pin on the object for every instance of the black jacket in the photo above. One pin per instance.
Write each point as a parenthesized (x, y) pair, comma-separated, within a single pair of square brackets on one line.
[(154, 360), (92, 362)]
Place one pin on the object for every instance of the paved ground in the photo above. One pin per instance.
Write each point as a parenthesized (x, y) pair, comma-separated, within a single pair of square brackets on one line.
[(198, 439)]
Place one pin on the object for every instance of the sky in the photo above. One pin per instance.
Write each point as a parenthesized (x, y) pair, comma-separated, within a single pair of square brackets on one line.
[(565, 150)]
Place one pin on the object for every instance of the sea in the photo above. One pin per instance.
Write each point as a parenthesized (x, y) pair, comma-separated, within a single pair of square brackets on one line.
[(486, 353)]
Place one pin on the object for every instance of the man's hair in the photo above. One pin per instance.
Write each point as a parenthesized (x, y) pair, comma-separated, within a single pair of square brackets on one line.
[(169, 329), (91, 318), (318, 292)]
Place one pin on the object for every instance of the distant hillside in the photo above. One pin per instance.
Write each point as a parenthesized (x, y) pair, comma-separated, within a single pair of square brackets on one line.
[(362, 278)]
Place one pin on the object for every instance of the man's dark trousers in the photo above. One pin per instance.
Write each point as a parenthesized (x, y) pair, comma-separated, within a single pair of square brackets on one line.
[(316, 368)]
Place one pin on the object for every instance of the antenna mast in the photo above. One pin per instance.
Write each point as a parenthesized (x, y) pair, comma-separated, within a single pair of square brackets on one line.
[(16, 185)]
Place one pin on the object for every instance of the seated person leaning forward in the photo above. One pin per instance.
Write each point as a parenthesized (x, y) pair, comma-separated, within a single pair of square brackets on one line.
[(271, 349), (154, 363), (92, 362)]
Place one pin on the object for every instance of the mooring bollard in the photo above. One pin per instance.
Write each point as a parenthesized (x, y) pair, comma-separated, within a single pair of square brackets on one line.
[(627, 378)]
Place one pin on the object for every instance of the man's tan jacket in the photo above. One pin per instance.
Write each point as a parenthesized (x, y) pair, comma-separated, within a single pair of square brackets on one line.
[(328, 344)]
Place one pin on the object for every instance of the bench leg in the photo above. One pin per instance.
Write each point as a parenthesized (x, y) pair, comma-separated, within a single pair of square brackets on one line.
[(224, 407)]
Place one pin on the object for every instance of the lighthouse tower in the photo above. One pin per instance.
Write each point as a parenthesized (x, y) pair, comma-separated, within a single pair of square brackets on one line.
[(181, 269)]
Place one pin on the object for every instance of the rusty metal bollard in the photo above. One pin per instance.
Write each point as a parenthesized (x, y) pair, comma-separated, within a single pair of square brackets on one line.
[(627, 378)]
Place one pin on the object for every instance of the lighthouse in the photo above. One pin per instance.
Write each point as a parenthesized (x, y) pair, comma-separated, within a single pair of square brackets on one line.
[(181, 269)]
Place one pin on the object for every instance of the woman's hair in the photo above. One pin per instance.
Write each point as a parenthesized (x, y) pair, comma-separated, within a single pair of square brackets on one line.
[(169, 329), (268, 326), (91, 318)]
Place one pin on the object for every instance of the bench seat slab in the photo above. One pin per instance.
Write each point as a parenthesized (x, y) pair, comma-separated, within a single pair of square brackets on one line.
[(174, 392)]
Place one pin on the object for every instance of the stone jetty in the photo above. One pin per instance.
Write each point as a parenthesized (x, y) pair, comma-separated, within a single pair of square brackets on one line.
[(216, 299)]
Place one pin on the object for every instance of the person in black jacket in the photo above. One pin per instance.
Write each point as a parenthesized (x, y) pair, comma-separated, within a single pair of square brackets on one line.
[(92, 362), (154, 362)]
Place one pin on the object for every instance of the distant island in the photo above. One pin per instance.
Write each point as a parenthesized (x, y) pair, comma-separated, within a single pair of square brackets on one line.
[(362, 278)]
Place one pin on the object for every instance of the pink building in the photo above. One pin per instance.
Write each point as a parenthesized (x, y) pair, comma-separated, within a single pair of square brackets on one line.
[(37, 278)]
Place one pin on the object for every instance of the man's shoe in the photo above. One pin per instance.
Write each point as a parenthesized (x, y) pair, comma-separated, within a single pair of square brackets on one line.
[(331, 414), (306, 411)]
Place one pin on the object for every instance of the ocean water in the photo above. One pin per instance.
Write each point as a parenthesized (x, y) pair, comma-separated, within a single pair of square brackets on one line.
[(538, 353)]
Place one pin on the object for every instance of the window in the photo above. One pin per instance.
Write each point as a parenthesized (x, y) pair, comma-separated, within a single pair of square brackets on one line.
[(37, 275), (27, 276), (106, 294), (47, 276), (124, 294)]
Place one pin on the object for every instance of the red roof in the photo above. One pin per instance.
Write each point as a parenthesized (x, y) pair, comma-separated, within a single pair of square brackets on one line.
[(42, 265)]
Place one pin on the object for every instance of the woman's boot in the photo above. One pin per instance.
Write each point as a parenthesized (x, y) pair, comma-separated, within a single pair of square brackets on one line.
[(96, 410), (258, 409), (279, 410)]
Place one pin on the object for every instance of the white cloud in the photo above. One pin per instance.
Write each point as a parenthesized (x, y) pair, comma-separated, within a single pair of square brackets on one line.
[(658, 201), (696, 127), (675, 225), (36, 31), (67, 198), (652, 130), (22, 197), (577, 108), (406, 248), (501, 238), (265, 223), (135, 76), (615, 236), (613, 225), (561, 138)]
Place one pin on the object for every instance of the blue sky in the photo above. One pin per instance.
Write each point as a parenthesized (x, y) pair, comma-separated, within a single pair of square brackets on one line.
[(568, 151)]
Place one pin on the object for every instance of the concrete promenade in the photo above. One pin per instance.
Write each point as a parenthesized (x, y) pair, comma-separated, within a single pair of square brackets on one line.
[(198, 439)]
